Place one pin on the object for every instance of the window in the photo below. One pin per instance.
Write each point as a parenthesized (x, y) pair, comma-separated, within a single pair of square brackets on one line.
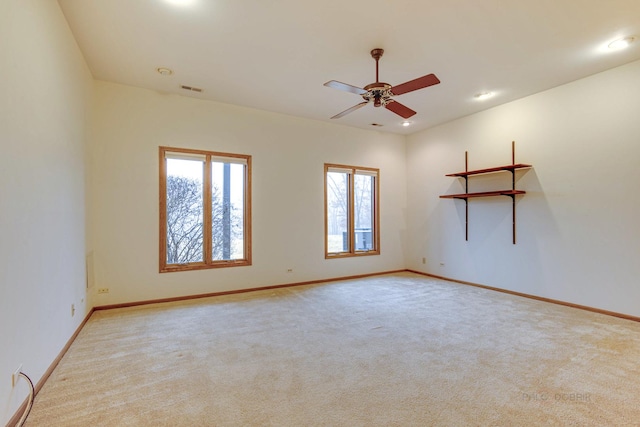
[(351, 211), (205, 209)]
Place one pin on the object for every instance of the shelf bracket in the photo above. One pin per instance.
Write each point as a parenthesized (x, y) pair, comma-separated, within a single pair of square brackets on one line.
[(513, 215), (466, 201), (513, 187)]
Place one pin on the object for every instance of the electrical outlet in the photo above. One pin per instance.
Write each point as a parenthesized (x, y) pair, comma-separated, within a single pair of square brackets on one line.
[(73, 310), (424, 260), (103, 290), (16, 375)]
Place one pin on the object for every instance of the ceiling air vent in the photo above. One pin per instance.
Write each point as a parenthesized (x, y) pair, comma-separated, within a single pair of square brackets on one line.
[(191, 88)]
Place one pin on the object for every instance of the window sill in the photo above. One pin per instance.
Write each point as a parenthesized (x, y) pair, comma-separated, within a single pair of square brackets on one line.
[(350, 254), (204, 266)]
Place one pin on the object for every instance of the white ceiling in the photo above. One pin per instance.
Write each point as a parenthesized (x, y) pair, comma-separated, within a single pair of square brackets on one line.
[(275, 55)]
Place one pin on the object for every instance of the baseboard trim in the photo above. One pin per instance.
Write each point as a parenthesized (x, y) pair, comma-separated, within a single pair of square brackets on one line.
[(16, 417), (521, 294), (241, 291)]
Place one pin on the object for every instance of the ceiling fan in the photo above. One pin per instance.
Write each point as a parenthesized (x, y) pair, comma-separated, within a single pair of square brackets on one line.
[(382, 93)]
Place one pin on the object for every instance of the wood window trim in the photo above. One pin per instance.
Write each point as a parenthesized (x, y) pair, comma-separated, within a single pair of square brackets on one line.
[(376, 221), (208, 263)]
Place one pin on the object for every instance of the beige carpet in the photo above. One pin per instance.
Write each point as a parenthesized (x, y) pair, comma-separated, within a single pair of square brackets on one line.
[(391, 350)]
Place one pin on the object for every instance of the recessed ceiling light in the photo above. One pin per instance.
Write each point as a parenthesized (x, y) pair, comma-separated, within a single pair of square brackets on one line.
[(621, 43), (180, 2), (406, 123), (164, 71), (483, 95)]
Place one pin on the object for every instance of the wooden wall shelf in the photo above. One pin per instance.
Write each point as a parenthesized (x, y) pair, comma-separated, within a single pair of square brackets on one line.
[(509, 168), (510, 193), (483, 194)]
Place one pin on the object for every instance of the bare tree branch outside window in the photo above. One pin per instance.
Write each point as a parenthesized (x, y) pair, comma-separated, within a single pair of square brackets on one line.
[(185, 221)]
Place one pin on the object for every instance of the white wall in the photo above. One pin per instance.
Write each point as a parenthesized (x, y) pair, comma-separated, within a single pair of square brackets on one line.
[(288, 155), (578, 235), (44, 93)]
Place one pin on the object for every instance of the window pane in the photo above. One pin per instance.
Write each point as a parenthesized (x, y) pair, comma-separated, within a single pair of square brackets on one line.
[(337, 212), (184, 211), (227, 210), (363, 186)]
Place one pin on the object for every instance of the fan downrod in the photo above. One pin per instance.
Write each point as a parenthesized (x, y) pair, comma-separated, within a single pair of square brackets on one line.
[(377, 54)]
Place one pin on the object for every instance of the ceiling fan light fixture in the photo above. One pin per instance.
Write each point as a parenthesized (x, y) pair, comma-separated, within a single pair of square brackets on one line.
[(483, 95), (621, 43)]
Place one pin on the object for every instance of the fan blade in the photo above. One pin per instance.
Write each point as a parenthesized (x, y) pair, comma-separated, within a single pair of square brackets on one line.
[(419, 83), (400, 109), (349, 110), (347, 88)]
